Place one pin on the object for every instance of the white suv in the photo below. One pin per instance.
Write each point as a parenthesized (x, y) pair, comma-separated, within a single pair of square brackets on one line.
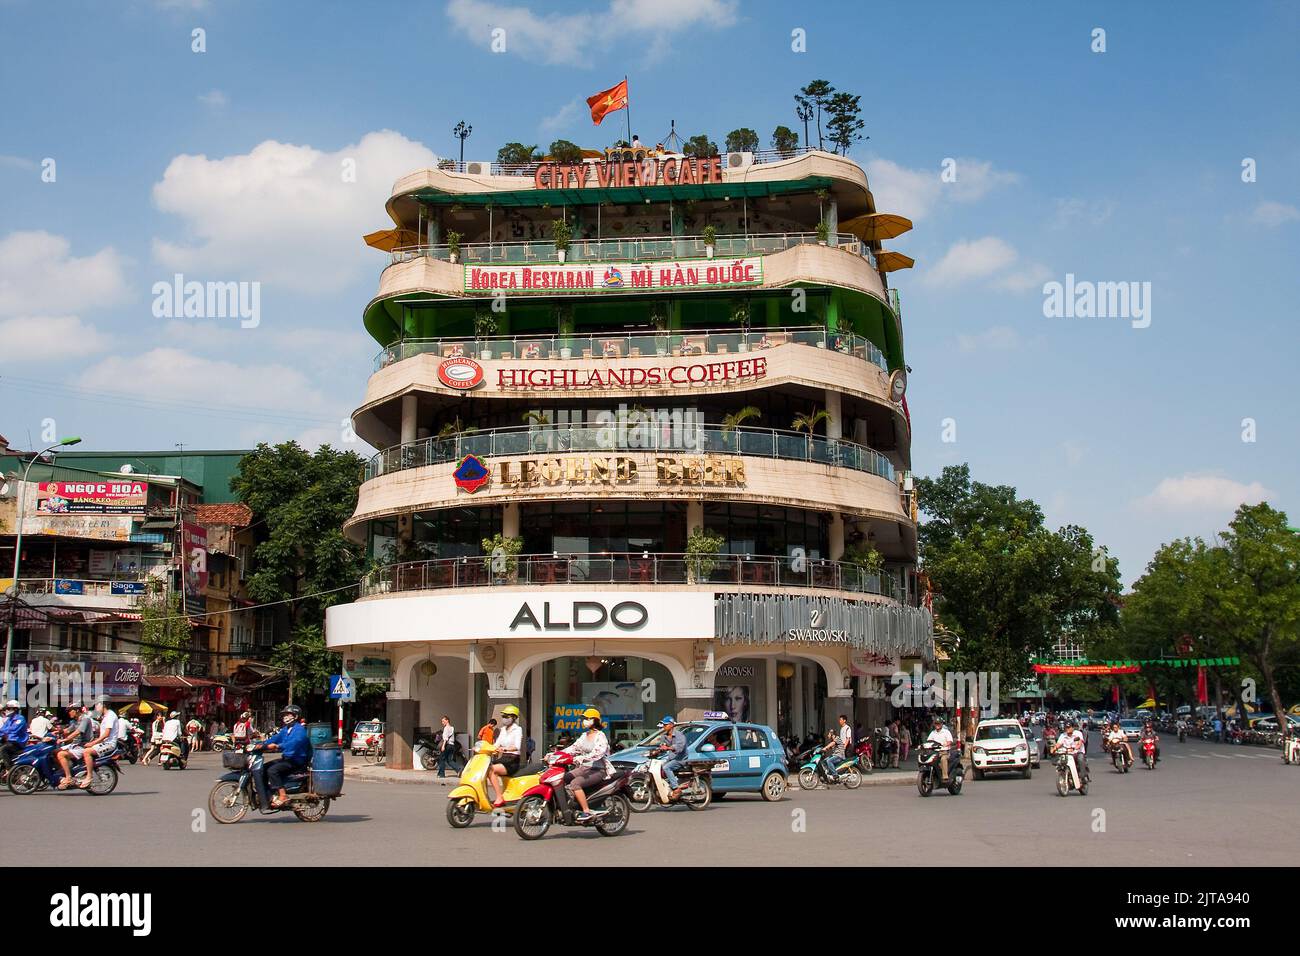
[(1000, 745)]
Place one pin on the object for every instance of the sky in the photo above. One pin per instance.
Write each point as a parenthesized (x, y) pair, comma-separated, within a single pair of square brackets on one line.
[(1163, 151)]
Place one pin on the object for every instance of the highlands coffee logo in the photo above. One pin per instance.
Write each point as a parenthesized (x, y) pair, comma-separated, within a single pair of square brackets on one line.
[(816, 633), (460, 373)]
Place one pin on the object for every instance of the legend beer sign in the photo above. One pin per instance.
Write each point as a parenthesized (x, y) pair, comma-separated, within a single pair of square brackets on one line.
[(615, 276)]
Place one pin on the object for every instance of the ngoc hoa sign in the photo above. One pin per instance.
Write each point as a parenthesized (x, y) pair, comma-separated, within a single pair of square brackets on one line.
[(616, 276)]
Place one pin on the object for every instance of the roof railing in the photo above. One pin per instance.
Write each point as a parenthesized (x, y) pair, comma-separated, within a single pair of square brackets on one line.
[(761, 156)]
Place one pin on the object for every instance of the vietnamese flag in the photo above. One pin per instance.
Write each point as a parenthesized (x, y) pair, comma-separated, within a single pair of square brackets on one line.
[(609, 101)]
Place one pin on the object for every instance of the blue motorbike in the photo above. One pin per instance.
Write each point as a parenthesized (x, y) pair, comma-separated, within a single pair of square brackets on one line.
[(243, 788), (37, 768), (816, 770)]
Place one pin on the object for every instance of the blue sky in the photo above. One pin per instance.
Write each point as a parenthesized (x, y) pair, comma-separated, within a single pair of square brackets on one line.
[(1123, 165)]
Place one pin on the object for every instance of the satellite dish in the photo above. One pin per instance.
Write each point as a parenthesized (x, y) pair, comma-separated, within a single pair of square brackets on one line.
[(125, 470)]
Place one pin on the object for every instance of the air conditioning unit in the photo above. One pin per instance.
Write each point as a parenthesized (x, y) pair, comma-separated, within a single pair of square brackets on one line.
[(479, 169), (740, 160)]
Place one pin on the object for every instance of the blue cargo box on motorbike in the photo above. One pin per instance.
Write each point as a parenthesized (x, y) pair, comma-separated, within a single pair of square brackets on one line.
[(327, 770)]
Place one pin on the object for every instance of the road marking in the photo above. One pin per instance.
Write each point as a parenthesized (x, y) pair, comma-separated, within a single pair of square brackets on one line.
[(1223, 756)]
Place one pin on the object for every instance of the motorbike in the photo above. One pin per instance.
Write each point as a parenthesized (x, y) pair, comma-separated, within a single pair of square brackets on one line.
[(1182, 735), (1291, 750), (223, 742), (243, 789), (885, 747), (928, 759), (647, 787), (816, 769), (1119, 757), (473, 795), (171, 756), (547, 802), (1149, 752), (1066, 771), (129, 747), (37, 768)]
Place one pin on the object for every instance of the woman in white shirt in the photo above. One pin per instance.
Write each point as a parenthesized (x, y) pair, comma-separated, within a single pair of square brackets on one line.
[(591, 759), (505, 753)]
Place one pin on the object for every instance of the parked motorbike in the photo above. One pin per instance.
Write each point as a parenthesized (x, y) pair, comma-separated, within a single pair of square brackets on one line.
[(930, 767), (886, 745), (647, 787), (243, 789), (815, 770), (223, 742), (171, 756), (547, 803), (1149, 752), (473, 795), (1066, 772), (1291, 750), (37, 768)]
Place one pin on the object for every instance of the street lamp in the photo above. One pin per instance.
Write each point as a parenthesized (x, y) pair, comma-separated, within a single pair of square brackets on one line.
[(18, 551), (462, 132)]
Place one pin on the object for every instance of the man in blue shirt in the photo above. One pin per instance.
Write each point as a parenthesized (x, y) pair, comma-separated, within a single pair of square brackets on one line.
[(13, 732), (673, 746), (292, 741)]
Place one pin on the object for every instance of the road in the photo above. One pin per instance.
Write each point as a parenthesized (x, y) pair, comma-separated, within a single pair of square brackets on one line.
[(1205, 805)]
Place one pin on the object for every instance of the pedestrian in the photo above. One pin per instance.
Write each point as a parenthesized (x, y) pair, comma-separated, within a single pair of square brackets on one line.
[(194, 734), (447, 748), (904, 741), (241, 735), (488, 731), (1218, 728)]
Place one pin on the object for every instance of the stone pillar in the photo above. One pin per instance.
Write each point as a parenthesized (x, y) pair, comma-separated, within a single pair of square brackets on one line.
[(770, 693), (833, 218), (836, 536), (694, 515), (835, 426), (510, 519), (410, 403), (536, 727), (399, 731)]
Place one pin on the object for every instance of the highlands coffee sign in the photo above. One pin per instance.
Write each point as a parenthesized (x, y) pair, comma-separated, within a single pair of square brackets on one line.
[(695, 374), (547, 279)]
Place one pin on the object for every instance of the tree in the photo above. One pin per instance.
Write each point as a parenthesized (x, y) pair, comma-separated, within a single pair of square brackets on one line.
[(305, 659), (804, 111), (845, 126), (164, 631), (516, 154), (743, 140), (815, 97), (1005, 584), (301, 501), (785, 140), (563, 151), (700, 146), (809, 422)]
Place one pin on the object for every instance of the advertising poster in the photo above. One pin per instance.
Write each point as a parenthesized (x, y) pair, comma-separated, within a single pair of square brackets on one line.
[(733, 700), (196, 559), (615, 701), (91, 497)]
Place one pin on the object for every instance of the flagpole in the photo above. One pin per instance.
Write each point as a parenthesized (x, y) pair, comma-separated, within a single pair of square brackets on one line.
[(628, 109)]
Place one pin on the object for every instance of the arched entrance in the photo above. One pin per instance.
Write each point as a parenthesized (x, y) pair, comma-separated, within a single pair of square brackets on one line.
[(795, 694)]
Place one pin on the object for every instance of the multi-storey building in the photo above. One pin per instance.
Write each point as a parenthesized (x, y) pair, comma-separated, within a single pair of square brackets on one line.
[(643, 444)]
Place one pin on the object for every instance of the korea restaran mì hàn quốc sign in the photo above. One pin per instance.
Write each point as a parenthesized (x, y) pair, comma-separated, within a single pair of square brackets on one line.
[(548, 279)]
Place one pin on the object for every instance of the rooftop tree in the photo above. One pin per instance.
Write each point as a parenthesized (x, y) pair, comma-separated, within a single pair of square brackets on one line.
[(563, 151), (785, 140), (743, 140), (845, 126), (516, 154), (814, 98), (700, 146)]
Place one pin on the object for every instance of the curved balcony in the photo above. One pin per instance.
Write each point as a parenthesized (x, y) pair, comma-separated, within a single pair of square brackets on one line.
[(677, 342), (631, 249), (633, 568), (642, 437)]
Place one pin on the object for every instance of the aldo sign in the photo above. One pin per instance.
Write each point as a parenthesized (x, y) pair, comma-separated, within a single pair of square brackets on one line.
[(552, 616)]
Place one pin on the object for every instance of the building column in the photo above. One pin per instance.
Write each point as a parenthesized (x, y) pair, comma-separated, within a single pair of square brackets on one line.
[(410, 404), (536, 709), (694, 515), (836, 536), (833, 406), (770, 692), (399, 731), (833, 218), (510, 519)]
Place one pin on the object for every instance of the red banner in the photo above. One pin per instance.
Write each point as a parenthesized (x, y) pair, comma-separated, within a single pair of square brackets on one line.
[(1084, 670), (607, 101)]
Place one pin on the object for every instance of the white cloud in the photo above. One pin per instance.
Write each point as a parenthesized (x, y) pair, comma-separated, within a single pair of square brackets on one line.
[(1031, 275), (914, 193), (176, 376), (1274, 214), (39, 277), (1000, 338), (1074, 453), (214, 99), (971, 259), (550, 125), (17, 162), (48, 339), (282, 214), (1092, 212), (571, 38), (1201, 493)]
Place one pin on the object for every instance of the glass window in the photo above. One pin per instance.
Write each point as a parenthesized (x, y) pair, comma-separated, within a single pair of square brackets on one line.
[(752, 739)]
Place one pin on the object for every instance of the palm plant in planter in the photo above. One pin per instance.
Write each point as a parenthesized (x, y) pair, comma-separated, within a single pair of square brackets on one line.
[(564, 324), (453, 247), (809, 422), (710, 240), (659, 319), (562, 235), (823, 232), (485, 326), (867, 560), (740, 317), (737, 418), (702, 555), (501, 557), (539, 438)]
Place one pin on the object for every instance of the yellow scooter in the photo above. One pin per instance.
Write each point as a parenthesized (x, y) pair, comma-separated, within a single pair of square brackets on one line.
[(473, 793)]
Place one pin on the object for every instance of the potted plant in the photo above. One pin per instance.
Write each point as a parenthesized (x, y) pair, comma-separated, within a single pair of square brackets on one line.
[(737, 418), (702, 555), (453, 247), (868, 560), (809, 422), (501, 558), (659, 319), (823, 232), (564, 323), (562, 235), (710, 240), (740, 317), (537, 420), (485, 326)]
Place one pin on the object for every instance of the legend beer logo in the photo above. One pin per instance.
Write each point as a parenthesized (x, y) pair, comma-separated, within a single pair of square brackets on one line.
[(471, 474)]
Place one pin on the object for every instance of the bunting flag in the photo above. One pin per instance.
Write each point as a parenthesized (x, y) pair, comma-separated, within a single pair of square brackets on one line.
[(1202, 691), (609, 101)]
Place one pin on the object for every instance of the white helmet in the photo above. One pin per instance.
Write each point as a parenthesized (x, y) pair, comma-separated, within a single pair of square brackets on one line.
[(11, 705), (174, 714)]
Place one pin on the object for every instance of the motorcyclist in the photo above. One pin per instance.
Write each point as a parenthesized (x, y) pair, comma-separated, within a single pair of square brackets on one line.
[(1117, 739), (591, 761), (101, 744), (505, 752), (1149, 732), (673, 742), (837, 745), (292, 741), (1182, 730), (1072, 742), (942, 736), (13, 731)]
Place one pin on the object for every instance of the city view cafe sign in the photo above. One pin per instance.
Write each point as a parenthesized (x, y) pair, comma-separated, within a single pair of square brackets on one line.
[(650, 171)]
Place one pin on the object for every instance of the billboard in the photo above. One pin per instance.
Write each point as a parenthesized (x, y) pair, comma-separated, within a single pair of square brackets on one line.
[(91, 498), (615, 276)]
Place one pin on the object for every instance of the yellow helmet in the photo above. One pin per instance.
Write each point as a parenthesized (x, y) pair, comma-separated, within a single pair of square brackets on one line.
[(510, 710), (591, 712)]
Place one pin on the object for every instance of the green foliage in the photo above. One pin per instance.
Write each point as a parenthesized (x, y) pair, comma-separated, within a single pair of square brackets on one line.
[(700, 146), (517, 154), (563, 151), (500, 555), (743, 140), (561, 233), (453, 243), (702, 548), (785, 140), (737, 418), (485, 324), (867, 558), (164, 632), (823, 231), (306, 660), (1006, 585), (815, 98), (808, 422), (710, 235), (845, 126)]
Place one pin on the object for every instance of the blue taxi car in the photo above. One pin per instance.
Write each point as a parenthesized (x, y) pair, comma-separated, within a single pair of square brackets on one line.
[(747, 758)]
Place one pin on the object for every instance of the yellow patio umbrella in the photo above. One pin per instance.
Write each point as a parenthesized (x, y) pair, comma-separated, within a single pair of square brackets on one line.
[(389, 239), (876, 226), (144, 708), (893, 261)]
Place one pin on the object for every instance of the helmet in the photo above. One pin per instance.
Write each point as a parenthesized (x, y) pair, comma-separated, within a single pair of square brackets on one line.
[(291, 709), (11, 705), (938, 718), (510, 710), (174, 713), (669, 719), (592, 713)]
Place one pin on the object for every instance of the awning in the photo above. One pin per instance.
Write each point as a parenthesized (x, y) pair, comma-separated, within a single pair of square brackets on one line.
[(893, 261), (876, 226), (175, 682), (390, 239)]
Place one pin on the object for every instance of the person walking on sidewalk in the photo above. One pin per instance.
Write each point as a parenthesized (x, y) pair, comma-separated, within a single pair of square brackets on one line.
[(447, 748)]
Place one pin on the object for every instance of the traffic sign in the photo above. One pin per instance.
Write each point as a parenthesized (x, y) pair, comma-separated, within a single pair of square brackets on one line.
[(342, 688)]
